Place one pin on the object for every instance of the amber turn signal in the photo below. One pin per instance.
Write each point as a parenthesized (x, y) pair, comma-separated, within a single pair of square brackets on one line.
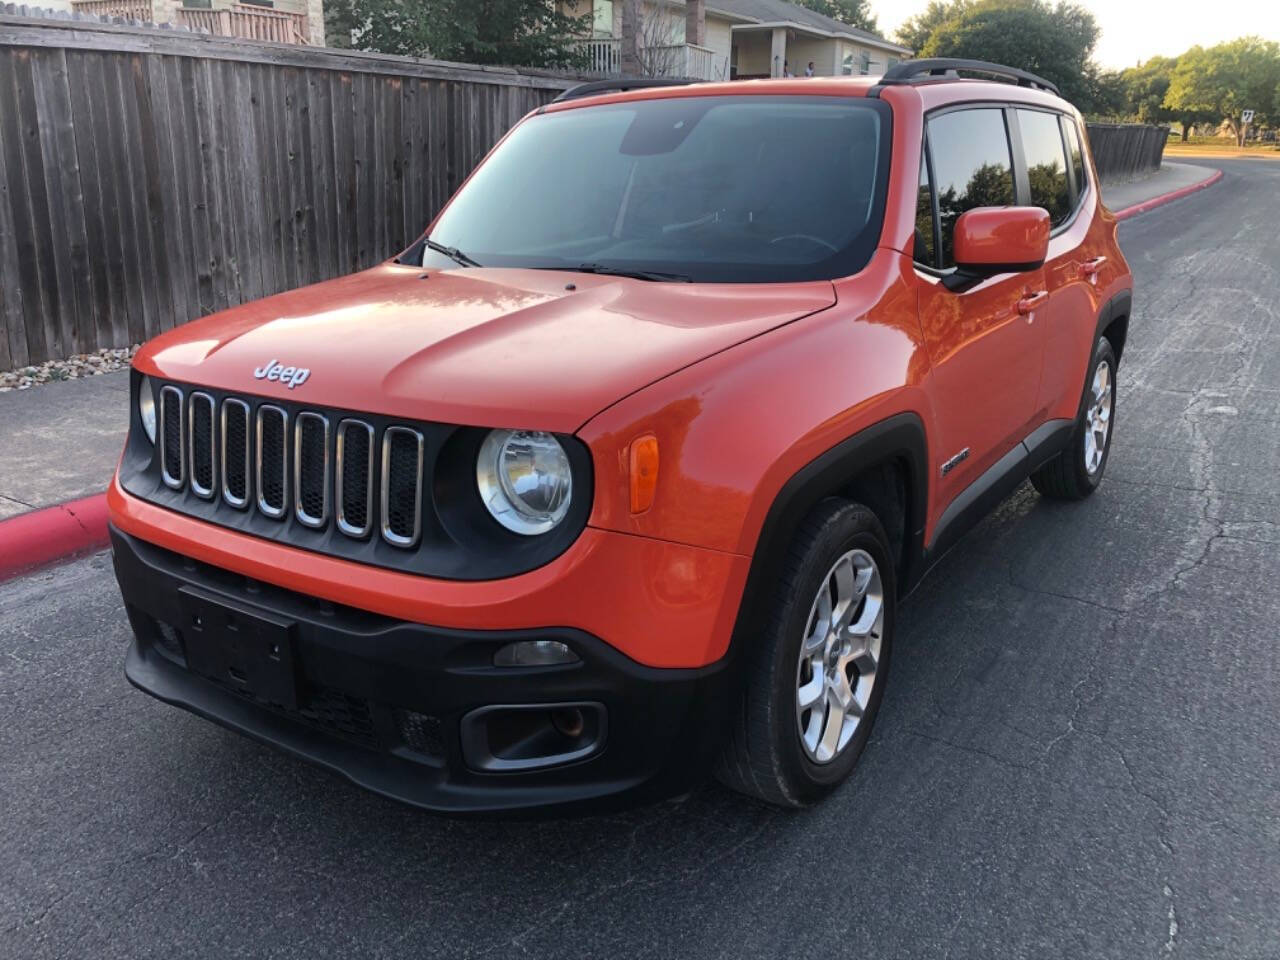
[(644, 473)]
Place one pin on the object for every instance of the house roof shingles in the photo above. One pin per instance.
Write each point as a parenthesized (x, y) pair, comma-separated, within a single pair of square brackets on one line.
[(779, 11)]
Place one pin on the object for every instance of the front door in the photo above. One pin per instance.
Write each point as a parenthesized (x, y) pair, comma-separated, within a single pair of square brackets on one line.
[(984, 343)]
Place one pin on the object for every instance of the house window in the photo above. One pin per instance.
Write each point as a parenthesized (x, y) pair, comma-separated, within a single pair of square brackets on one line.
[(602, 18), (846, 65), (894, 61), (864, 63)]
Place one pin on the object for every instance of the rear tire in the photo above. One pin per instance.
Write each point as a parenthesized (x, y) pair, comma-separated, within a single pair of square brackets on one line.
[(1076, 472), (839, 567)]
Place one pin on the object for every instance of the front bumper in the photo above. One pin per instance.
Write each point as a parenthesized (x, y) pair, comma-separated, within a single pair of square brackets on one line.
[(386, 702)]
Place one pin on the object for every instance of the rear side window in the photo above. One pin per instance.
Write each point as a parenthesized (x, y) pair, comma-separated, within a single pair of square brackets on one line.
[(1074, 152), (971, 167), (1046, 163)]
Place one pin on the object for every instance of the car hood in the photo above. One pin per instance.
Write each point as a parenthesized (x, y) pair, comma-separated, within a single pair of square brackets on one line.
[(536, 349)]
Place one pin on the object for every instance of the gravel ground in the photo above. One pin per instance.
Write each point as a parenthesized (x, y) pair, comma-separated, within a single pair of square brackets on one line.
[(73, 368)]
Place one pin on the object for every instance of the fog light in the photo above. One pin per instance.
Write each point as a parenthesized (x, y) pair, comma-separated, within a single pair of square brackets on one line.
[(569, 722), (534, 653)]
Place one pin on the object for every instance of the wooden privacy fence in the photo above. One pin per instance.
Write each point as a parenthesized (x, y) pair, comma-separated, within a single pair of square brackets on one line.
[(148, 177), (1126, 151)]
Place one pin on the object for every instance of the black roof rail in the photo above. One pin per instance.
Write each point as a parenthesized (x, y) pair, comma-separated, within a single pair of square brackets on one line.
[(910, 70), (619, 84)]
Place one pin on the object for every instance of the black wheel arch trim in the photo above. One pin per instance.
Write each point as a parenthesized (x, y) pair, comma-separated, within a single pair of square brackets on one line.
[(1121, 305), (898, 438)]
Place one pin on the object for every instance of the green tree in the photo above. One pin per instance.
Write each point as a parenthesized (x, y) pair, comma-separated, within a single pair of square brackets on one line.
[(1222, 81), (916, 31), (1055, 42), (513, 32), (1145, 89), (856, 13)]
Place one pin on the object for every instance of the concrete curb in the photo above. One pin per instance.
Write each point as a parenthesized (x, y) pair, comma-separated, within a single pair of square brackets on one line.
[(1169, 197), (33, 540)]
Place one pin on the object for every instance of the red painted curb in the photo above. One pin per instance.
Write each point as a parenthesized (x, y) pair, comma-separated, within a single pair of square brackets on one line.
[(33, 540), (1169, 197)]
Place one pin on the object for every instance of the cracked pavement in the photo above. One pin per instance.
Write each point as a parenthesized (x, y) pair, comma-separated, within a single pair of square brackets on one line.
[(1078, 754)]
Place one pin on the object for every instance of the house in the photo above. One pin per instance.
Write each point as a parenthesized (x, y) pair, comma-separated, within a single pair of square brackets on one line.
[(731, 39), (770, 35), (279, 21)]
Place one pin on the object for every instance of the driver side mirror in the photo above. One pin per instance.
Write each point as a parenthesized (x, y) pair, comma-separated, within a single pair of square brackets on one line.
[(994, 240)]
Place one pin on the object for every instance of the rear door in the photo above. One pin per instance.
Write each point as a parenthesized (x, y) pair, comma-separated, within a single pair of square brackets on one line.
[(986, 356), (1050, 155)]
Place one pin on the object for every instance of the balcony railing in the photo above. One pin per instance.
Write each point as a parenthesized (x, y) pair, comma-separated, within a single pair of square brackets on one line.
[(128, 9), (683, 60), (604, 55), (245, 22)]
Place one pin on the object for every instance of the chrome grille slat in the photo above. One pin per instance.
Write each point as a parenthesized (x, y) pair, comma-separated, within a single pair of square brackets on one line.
[(354, 477), (402, 455), (235, 443), (311, 469), (201, 453), (172, 447), (272, 460)]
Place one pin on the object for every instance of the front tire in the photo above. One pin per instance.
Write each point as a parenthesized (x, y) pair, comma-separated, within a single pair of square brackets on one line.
[(816, 676), (1076, 471)]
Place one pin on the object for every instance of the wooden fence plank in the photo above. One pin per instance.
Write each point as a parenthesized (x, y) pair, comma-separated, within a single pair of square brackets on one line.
[(65, 206), (31, 215), (13, 337)]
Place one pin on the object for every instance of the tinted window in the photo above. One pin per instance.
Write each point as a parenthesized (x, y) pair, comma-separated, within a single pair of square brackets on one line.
[(1046, 163), (971, 167), (924, 252), (1074, 151), (717, 189)]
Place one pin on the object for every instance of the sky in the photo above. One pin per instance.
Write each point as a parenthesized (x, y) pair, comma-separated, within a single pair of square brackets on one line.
[(1133, 30)]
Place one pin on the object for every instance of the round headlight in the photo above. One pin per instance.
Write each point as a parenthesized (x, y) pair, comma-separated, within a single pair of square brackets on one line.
[(524, 480), (147, 408)]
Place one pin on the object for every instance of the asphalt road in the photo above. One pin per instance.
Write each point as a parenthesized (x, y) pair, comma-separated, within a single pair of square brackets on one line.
[(1078, 755)]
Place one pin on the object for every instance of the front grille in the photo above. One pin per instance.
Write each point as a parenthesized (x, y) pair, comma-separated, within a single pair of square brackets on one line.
[(383, 490), (283, 462)]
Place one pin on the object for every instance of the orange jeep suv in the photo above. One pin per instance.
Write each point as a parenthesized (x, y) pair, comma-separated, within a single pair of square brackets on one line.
[(617, 476)]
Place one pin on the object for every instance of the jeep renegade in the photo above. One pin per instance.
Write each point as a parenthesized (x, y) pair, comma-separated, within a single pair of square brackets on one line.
[(617, 476)]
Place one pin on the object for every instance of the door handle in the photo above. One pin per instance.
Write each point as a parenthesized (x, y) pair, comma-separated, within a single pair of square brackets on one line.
[(1031, 301), (1091, 267)]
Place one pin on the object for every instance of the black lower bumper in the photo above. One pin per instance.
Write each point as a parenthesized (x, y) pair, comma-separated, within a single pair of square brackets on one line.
[(389, 704)]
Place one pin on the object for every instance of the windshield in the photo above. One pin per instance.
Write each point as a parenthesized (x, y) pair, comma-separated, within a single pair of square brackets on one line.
[(714, 189)]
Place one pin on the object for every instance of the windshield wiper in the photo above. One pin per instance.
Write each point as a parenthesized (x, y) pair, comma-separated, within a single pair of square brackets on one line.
[(608, 271), (453, 253)]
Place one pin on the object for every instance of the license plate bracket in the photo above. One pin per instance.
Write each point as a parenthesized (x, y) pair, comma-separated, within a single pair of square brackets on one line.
[(241, 646)]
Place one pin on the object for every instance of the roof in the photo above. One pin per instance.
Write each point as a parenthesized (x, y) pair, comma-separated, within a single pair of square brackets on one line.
[(780, 12)]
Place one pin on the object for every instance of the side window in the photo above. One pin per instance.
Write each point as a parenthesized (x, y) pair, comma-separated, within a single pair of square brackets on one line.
[(1074, 152), (1046, 163), (924, 252), (971, 167)]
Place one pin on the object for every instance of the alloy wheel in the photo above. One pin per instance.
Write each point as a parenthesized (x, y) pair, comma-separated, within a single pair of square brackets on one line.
[(839, 656), (1097, 418)]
